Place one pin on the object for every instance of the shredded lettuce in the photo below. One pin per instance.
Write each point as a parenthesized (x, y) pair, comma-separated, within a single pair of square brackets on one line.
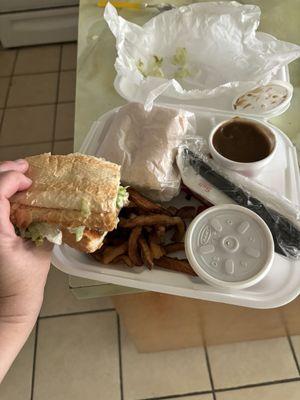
[(38, 231), (158, 60), (85, 208), (122, 197), (141, 67), (179, 57), (181, 73), (154, 68), (78, 231)]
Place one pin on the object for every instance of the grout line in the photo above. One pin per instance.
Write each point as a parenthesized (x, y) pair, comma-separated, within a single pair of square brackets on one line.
[(8, 89), (57, 96), (120, 358), (77, 313), (209, 372), (293, 353), (40, 104), (46, 72), (34, 359), (4, 146), (41, 9), (254, 385), (178, 396), (37, 45), (40, 72)]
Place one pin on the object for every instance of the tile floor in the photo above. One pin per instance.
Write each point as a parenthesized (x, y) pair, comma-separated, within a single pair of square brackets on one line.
[(79, 349)]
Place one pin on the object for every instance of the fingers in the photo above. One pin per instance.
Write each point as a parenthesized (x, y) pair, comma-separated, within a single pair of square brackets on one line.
[(10, 183), (17, 165)]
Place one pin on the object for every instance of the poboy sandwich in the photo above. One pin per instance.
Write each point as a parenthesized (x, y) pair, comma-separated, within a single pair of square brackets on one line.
[(73, 199)]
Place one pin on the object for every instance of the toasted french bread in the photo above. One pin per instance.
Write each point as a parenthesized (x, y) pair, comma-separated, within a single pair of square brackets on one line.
[(69, 190), (90, 242), (22, 216)]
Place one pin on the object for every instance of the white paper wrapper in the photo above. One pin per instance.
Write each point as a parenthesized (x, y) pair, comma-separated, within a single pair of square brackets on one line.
[(225, 53), (145, 144)]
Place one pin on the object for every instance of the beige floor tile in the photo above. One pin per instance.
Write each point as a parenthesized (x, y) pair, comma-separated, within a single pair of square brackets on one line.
[(38, 59), (77, 358), (27, 125), (63, 147), (14, 152), (69, 56), (17, 383), (296, 343), (67, 86), (285, 391), (4, 82), (29, 90), (59, 300), (251, 362), (64, 127), (7, 58), (197, 397), (162, 373)]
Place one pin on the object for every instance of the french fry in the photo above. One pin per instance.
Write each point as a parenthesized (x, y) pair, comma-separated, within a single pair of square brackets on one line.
[(153, 219), (156, 249), (172, 210), (187, 212), (174, 247), (133, 250), (174, 264), (146, 204), (111, 252), (130, 204), (180, 230), (98, 255), (123, 259), (146, 253), (160, 231)]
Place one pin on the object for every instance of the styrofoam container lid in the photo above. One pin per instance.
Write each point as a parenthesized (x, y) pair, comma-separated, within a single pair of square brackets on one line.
[(264, 100), (229, 246)]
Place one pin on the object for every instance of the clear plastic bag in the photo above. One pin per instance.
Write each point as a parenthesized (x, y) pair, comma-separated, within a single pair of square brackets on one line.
[(280, 214), (224, 52)]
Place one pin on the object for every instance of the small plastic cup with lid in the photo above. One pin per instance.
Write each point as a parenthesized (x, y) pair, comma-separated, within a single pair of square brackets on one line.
[(229, 246)]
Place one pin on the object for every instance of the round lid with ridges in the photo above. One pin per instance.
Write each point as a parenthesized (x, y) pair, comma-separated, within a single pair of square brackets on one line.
[(229, 246)]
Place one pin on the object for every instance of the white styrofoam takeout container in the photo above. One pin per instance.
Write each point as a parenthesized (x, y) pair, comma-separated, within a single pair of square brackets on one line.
[(280, 286), (224, 103)]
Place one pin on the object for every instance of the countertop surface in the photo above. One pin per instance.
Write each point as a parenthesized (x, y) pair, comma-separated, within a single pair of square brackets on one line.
[(96, 95)]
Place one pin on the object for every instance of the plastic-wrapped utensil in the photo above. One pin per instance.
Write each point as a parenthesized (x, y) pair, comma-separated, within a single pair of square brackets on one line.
[(285, 234)]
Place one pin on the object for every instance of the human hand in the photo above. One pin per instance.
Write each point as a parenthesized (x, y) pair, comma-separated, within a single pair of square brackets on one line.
[(23, 271), (23, 266)]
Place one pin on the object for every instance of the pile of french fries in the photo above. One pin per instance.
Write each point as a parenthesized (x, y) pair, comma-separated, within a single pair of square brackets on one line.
[(147, 234)]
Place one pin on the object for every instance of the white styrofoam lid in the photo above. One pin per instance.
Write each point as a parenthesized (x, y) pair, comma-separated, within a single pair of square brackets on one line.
[(229, 246), (264, 100), (222, 103)]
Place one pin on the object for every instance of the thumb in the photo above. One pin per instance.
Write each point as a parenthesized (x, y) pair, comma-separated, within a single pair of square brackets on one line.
[(10, 183)]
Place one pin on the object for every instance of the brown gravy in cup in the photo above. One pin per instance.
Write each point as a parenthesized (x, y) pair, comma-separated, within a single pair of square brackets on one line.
[(243, 140)]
